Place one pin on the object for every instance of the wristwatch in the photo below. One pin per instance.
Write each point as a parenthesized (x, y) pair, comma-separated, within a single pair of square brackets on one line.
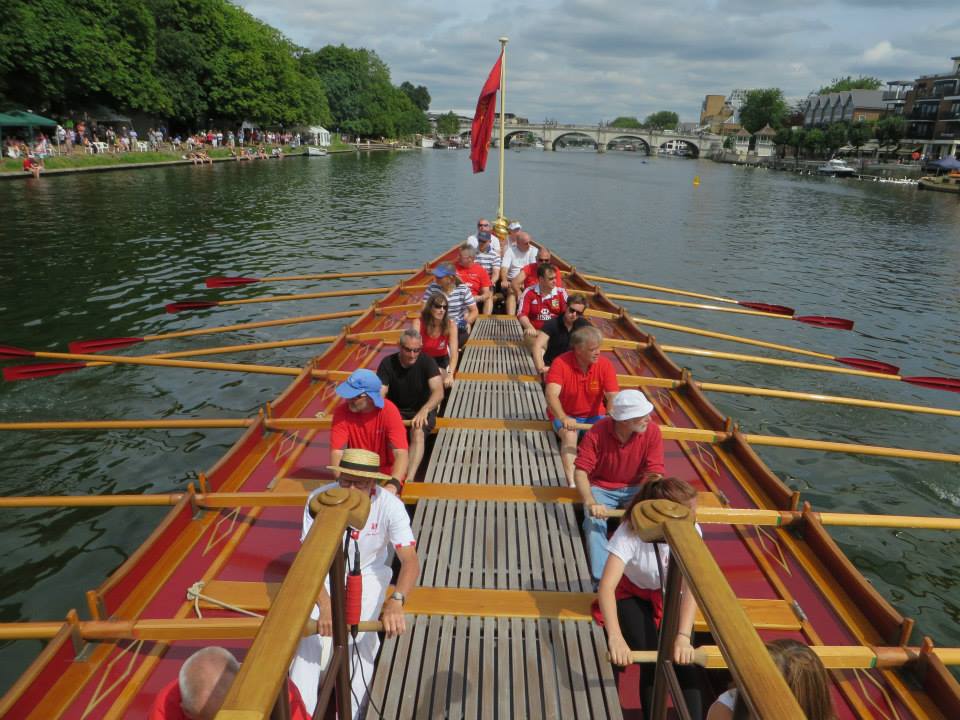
[(399, 597)]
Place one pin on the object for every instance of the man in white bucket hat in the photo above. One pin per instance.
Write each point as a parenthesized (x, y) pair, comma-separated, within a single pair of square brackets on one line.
[(617, 455), (387, 524)]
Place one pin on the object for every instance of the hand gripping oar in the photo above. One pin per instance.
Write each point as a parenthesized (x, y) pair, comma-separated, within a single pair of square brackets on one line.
[(835, 323), (876, 366), (227, 282), (762, 307)]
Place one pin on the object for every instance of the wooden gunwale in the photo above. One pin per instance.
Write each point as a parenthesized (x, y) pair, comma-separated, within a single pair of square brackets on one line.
[(743, 465)]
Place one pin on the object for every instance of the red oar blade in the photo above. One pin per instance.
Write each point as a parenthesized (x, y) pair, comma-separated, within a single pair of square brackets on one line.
[(767, 307), (39, 370), (227, 282), (937, 383), (826, 321), (8, 352), (191, 305), (86, 347), (871, 365)]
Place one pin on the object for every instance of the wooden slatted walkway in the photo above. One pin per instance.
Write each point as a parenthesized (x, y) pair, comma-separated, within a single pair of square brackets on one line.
[(470, 666)]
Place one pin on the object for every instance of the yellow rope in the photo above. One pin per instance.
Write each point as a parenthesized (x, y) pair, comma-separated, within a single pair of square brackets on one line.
[(194, 593)]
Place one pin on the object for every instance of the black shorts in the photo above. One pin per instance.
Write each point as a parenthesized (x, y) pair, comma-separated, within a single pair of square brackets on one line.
[(442, 362), (431, 420)]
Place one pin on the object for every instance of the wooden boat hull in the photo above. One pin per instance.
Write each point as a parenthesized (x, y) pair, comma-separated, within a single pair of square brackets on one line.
[(802, 582), (941, 184)]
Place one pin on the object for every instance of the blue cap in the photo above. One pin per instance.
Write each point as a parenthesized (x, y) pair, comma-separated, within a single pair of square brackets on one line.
[(362, 382), (441, 271)]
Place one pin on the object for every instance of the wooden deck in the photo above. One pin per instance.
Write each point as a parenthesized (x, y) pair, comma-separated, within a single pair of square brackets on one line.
[(468, 666)]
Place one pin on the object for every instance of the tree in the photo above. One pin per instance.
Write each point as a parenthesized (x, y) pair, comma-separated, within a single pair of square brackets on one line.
[(814, 140), (783, 139), (798, 141), (835, 137), (448, 124), (728, 142), (663, 120), (843, 84), (890, 131), (625, 121), (858, 134), (419, 95), (763, 107)]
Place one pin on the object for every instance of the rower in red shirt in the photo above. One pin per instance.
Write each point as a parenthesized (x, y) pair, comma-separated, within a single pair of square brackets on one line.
[(475, 277), (578, 383), (540, 303), (370, 422), (616, 456), (202, 686), (530, 271)]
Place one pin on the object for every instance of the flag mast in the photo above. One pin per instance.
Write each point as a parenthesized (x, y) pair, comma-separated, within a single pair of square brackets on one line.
[(503, 92)]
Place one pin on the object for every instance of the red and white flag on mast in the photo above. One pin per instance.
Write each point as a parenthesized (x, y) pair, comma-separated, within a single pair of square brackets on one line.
[(483, 119)]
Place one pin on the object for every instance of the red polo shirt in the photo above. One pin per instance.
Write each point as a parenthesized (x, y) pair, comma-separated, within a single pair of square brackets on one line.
[(166, 705), (376, 430), (530, 276), (475, 277), (610, 464), (539, 308), (581, 393)]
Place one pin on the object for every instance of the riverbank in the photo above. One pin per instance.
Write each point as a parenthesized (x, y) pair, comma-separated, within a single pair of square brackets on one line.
[(867, 170)]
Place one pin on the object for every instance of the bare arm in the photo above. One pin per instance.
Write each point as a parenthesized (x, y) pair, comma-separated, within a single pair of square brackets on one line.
[(433, 402), (472, 314), (453, 342), (616, 644), (590, 505), (394, 622), (539, 349), (335, 456), (683, 647), (552, 394), (399, 470)]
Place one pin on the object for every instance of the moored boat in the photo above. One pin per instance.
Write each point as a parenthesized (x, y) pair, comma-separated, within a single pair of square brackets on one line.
[(314, 151), (943, 183), (837, 168)]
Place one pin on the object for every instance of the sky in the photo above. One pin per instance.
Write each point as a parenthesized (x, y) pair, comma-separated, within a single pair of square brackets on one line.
[(592, 60)]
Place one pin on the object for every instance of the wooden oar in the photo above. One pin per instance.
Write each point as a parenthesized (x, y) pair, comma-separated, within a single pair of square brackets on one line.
[(826, 321), (202, 304), (705, 514), (219, 628), (761, 306), (929, 381), (94, 346), (861, 363), (627, 381), (834, 657), (224, 282)]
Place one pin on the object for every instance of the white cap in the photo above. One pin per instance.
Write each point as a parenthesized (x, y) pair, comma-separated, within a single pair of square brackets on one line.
[(514, 226), (629, 405)]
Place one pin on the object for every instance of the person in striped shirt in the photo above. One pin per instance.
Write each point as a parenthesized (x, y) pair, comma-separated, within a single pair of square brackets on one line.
[(487, 256), (461, 305)]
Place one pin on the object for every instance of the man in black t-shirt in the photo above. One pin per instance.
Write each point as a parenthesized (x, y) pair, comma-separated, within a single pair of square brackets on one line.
[(412, 381), (554, 337)]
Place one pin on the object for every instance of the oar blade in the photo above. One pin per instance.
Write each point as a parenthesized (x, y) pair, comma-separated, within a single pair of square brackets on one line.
[(767, 307), (39, 370), (88, 347), (937, 383), (191, 305), (9, 352), (228, 282), (877, 366), (835, 323)]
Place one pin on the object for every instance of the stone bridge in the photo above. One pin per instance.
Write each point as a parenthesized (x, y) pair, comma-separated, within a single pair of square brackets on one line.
[(605, 136)]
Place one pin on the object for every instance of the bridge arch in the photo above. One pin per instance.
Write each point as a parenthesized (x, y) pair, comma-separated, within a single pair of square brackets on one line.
[(575, 138), (679, 146), (632, 142), (526, 133)]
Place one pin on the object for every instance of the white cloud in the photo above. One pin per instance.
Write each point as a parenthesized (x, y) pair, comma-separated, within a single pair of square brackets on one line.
[(880, 53)]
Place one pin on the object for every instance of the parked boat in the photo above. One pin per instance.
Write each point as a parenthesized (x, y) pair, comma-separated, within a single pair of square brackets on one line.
[(492, 624), (944, 183), (837, 168), (314, 151)]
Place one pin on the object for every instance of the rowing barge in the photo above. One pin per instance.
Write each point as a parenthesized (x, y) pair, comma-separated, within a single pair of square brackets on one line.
[(500, 623)]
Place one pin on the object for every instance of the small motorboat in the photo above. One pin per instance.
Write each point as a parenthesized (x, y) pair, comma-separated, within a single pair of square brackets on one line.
[(837, 168), (944, 183), (314, 151)]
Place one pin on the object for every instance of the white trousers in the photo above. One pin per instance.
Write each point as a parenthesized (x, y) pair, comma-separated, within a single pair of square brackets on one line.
[(309, 665)]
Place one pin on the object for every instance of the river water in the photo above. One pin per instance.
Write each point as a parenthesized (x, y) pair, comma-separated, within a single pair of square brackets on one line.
[(98, 255)]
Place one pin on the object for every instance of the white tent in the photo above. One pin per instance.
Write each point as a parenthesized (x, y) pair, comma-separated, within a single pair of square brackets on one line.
[(319, 135)]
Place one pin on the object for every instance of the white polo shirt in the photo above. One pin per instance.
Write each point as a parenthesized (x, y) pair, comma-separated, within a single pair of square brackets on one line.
[(639, 559)]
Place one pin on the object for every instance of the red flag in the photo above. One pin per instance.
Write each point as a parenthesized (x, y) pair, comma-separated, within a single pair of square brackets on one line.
[(482, 127)]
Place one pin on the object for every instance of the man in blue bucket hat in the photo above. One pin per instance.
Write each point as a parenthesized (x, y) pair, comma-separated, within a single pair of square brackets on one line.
[(368, 421)]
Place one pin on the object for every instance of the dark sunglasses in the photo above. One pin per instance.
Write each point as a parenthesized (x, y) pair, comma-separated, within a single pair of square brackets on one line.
[(438, 305), (575, 313)]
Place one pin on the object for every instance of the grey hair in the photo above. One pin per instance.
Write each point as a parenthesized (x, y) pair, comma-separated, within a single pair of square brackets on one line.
[(584, 335), (410, 334), (467, 247), (194, 677)]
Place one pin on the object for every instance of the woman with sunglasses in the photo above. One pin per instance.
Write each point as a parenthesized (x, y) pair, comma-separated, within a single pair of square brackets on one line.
[(439, 334)]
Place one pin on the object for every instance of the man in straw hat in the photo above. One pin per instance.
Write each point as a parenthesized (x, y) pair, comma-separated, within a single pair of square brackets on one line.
[(387, 525), (616, 456), (367, 420)]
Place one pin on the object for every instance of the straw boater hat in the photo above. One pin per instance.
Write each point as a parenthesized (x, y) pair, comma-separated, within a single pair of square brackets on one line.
[(362, 463)]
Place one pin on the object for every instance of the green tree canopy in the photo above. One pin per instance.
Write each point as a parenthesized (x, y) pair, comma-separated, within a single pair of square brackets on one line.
[(763, 107), (835, 137), (418, 95), (448, 124), (890, 130), (842, 84), (626, 121), (662, 120), (859, 133)]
